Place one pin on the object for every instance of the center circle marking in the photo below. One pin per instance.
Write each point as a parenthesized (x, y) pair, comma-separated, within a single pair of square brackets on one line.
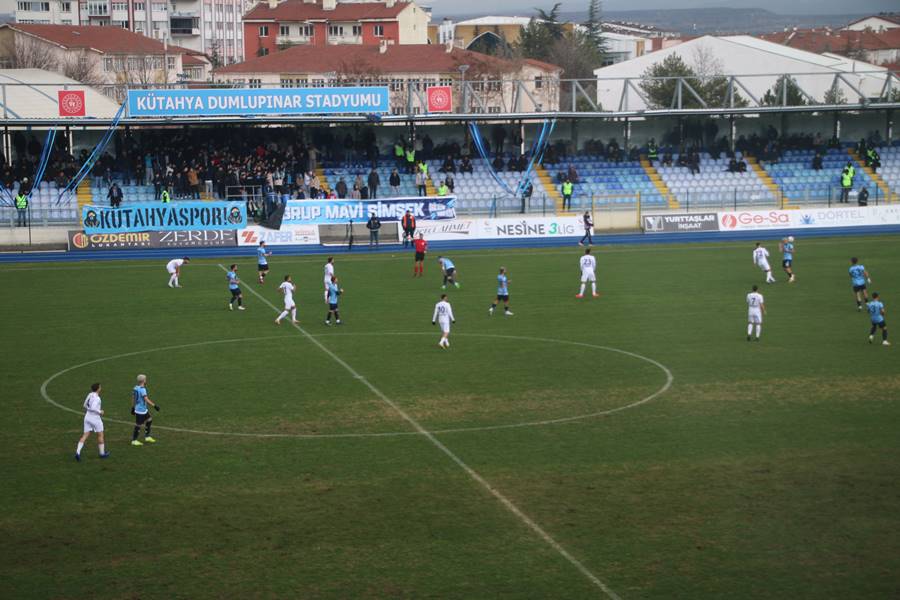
[(670, 378)]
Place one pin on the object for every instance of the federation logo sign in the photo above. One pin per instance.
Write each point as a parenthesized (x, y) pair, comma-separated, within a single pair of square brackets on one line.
[(80, 241), (71, 103), (440, 99)]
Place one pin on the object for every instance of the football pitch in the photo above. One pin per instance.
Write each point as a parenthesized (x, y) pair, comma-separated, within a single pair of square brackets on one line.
[(629, 446)]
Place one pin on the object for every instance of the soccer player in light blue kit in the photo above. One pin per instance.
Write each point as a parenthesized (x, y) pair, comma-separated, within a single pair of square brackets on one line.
[(140, 401), (262, 262), (787, 257), (449, 271), (334, 292), (502, 293), (234, 286), (859, 277), (876, 314)]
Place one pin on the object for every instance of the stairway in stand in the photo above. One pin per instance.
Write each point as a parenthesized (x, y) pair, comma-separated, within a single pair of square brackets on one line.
[(550, 189), (657, 180), (883, 188)]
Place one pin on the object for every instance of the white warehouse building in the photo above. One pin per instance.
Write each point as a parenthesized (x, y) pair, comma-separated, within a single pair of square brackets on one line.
[(758, 63)]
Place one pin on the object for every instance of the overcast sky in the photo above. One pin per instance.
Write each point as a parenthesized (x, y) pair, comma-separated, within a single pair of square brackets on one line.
[(525, 7)]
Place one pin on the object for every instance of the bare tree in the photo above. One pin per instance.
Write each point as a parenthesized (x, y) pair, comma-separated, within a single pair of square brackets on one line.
[(84, 67), (25, 52)]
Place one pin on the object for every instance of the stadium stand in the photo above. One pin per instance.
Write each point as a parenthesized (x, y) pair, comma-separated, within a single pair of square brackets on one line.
[(607, 182), (714, 185), (802, 184)]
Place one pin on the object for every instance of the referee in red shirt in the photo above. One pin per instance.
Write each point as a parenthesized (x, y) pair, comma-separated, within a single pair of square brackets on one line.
[(421, 247)]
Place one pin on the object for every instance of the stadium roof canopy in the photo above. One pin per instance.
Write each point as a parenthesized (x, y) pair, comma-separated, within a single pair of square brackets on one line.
[(33, 94), (755, 63)]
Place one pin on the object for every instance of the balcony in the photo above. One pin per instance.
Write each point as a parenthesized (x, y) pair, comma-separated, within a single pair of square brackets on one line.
[(344, 39), (292, 40), (179, 25)]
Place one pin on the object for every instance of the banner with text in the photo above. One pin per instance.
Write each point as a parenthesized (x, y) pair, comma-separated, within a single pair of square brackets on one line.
[(174, 216), (258, 102), (79, 240), (688, 223), (336, 212), (288, 235), (851, 216), (493, 229)]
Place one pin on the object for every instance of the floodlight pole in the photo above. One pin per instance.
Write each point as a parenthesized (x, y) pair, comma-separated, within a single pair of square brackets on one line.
[(462, 72)]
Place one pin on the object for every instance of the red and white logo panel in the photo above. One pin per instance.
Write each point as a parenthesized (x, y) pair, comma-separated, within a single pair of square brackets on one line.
[(440, 99), (71, 103)]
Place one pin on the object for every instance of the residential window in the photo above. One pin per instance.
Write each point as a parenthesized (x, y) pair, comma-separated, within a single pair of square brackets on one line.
[(357, 30), (336, 30), (170, 62), (494, 110), (98, 9), (397, 85), (284, 30), (65, 6), (254, 83), (34, 6), (306, 31), (494, 86), (139, 27), (397, 110), (120, 6), (318, 83), (538, 82), (159, 6), (263, 51), (445, 81), (263, 31), (378, 30), (66, 22), (139, 6)]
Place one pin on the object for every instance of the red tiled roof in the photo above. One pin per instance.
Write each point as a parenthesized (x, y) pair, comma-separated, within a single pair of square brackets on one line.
[(399, 58), (298, 10), (818, 41), (108, 40)]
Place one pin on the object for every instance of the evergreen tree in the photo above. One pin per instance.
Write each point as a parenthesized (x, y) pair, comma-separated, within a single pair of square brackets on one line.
[(776, 95)]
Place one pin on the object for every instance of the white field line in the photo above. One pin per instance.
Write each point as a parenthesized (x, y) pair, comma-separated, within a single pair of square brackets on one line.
[(507, 503), (401, 254)]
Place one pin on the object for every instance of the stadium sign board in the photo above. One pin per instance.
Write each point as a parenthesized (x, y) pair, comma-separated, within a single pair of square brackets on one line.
[(173, 216), (81, 241), (258, 102), (686, 223), (494, 229), (340, 212), (810, 218), (288, 235)]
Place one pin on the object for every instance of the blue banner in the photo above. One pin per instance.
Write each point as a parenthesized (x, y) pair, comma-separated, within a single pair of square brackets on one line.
[(258, 101), (332, 212), (174, 216)]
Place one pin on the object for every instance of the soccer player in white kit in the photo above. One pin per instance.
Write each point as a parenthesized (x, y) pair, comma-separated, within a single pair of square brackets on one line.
[(443, 315), (174, 269), (288, 288), (92, 422), (588, 265), (329, 273), (756, 308), (761, 260)]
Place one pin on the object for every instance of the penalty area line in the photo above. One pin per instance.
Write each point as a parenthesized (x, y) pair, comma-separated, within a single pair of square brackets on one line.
[(474, 475)]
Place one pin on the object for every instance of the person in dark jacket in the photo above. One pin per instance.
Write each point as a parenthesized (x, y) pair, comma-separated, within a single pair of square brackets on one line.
[(862, 198), (374, 182), (114, 195), (373, 225), (341, 188), (394, 182)]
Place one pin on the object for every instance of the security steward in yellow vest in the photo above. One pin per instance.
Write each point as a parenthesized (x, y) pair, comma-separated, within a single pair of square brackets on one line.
[(22, 209), (567, 189), (165, 197)]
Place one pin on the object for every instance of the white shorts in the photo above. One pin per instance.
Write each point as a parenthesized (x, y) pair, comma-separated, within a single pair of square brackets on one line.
[(289, 304), (445, 325), (588, 276), (754, 317), (171, 271), (764, 265), (93, 423)]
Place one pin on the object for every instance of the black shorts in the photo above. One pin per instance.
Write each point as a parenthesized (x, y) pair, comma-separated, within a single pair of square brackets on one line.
[(503, 298), (786, 263), (262, 268), (859, 288), (235, 293), (420, 256), (882, 325), (332, 306), (451, 272), (141, 419)]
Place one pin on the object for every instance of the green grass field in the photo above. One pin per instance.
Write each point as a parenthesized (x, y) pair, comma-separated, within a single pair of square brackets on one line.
[(765, 470)]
